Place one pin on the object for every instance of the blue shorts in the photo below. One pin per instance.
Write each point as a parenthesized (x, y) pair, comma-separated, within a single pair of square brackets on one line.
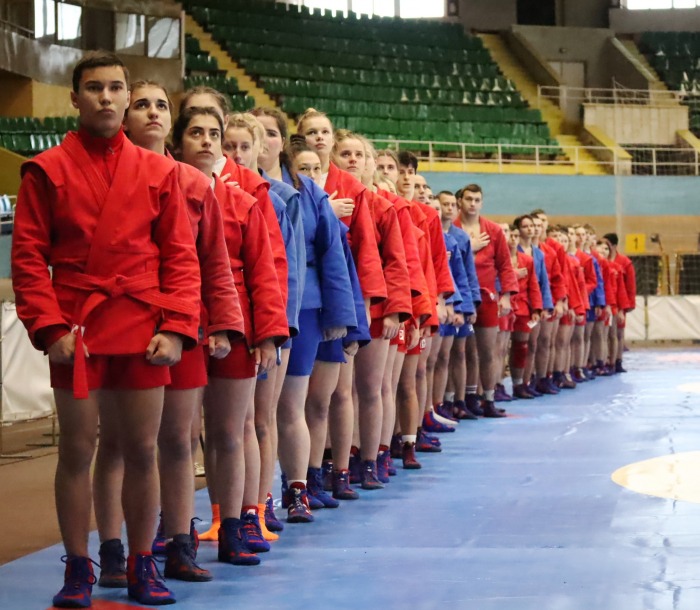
[(590, 315), (447, 330), (331, 351), (305, 345), (464, 331)]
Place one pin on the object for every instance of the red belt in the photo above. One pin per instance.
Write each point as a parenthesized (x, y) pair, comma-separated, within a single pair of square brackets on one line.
[(143, 287)]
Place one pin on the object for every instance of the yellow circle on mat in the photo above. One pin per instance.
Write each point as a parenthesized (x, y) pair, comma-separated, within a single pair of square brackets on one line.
[(674, 476)]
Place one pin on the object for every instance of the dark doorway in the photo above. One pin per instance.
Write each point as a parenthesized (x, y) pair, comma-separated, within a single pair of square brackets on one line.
[(537, 12)]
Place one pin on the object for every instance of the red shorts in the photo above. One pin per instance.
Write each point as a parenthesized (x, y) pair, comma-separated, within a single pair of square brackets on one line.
[(418, 349), (506, 324), (566, 321), (521, 324), (376, 328), (239, 364), (130, 372), (487, 314), (583, 323), (191, 371), (400, 340)]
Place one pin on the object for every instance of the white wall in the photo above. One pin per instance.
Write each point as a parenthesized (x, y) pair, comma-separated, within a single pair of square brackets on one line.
[(632, 22), (627, 124), (588, 45)]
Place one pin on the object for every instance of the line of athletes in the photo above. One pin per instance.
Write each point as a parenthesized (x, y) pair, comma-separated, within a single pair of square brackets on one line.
[(306, 291)]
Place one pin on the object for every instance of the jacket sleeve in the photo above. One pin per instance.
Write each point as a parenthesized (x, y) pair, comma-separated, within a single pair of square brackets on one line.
[(599, 292), (365, 251), (396, 277), (630, 278), (218, 288), (623, 301), (582, 288), (336, 288), (557, 282), (504, 265), (455, 299), (269, 314), (37, 304), (422, 304), (359, 333), (543, 280), (470, 267), (179, 266), (410, 245), (297, 220), (287, 231), (574, 292), (533, 287), (590, 276), (461, 282), (441, 265), (279, 252), (610, 295)]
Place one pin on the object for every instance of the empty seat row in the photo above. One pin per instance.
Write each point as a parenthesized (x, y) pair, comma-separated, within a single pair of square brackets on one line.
[(297, 105), (346, 45), (220, 83), (241, 50), (334, 74), (201, 63), (300, 88), (28, 125), (30, 144), (428, 33)]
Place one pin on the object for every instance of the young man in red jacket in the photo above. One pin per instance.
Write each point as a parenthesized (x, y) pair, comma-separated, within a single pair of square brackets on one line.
[(630, 280), (123, 299), (492, 260)]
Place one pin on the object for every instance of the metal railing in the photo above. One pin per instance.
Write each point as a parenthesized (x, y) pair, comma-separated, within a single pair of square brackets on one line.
[(619, 95), (515, 158), (17, 29)]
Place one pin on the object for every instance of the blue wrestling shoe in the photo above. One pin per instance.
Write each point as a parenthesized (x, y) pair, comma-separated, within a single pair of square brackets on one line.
[(369, 476), (287, 499), (77, 585), (271, 521), (252, 534), (341, 486), (299, 511), (430, 424), (383, 466), (232, 548), (146, 585), (315, 489), (159, 542)]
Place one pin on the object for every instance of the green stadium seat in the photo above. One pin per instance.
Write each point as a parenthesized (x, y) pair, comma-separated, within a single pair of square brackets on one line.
[(383, 76)]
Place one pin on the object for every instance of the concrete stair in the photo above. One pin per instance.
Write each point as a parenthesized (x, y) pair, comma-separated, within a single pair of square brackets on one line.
[(207, 43), (551, 113), (633, 49)]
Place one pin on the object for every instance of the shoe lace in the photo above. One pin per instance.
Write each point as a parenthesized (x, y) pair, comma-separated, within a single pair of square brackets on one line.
[(299, 504), (75, 580), (251, 530), (151, 573)]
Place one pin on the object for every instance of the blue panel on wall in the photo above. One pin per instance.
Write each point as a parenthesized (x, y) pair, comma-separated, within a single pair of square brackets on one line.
[(578, 195)]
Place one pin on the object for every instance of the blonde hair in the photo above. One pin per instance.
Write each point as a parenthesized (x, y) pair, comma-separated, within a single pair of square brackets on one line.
[(249, 122), (311, 113)]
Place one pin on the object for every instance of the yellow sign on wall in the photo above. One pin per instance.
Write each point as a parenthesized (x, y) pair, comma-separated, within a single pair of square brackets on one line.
[(635, 243)]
